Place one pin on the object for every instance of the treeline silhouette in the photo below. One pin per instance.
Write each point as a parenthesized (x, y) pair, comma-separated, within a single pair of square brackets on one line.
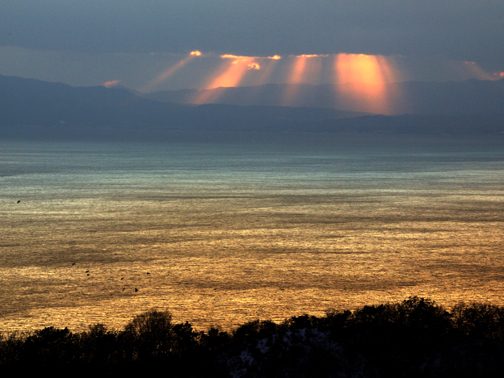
[(413, 338)]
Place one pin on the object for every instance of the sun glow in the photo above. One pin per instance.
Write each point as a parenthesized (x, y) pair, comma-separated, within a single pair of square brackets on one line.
[(361, 82), (231, 73), (355, 82)]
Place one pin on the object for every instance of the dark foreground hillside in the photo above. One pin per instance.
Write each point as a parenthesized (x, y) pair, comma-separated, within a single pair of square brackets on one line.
[(414, 338)]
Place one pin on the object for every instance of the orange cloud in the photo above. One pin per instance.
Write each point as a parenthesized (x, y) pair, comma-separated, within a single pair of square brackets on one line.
[(110, 83), (247, 58), (310, 56), (235, 57)]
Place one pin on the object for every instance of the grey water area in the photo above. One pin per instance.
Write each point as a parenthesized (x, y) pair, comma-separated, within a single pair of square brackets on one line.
[(222, 231)]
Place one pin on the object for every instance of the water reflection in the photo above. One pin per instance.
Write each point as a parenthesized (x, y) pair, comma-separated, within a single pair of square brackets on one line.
[(226, 235)]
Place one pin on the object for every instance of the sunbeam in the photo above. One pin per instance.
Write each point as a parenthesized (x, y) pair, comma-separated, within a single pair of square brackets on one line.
[(361, 82), (169, 72), (232, 72), (304, 68), (269, 67), (470, 70)]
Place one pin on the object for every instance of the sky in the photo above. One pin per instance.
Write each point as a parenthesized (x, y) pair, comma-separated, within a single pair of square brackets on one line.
[(153, 45)]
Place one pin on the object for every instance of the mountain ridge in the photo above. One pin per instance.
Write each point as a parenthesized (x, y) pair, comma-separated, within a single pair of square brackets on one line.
[(30, 107)]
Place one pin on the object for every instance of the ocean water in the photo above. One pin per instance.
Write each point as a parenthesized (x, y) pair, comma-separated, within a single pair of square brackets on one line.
[(220, 233)]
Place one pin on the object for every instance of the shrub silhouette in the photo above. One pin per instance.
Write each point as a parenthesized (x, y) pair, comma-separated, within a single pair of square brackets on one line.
[(412, 338), (52, 348), (152, 340), (412, 314), (254, 329), (480, 320), (149, 336), (11, 346), (99, 346)]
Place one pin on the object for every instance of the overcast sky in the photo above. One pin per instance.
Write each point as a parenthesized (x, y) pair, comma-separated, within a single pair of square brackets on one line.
[(86, 42)]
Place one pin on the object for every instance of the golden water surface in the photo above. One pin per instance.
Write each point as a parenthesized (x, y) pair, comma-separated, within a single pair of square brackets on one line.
[(224, 255)]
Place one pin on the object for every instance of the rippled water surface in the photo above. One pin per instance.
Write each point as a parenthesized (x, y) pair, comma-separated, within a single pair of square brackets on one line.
[(223, 233)]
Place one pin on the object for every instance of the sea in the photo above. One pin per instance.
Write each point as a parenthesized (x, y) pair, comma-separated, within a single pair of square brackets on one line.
[(220, 232)]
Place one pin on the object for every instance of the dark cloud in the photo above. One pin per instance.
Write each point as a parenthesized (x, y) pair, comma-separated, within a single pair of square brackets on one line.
[(454, 29)]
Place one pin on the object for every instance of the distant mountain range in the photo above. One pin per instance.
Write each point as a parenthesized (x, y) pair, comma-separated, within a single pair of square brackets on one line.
[(421, 98), (33, 108)]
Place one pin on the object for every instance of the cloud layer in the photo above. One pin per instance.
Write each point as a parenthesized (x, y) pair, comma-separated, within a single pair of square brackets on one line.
[(453, 29)]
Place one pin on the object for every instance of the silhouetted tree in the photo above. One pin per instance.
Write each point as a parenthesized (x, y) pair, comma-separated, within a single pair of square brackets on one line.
[(150, 335), (11, 346), (99, 346), (412, 338), (49, 349), (480, 319)]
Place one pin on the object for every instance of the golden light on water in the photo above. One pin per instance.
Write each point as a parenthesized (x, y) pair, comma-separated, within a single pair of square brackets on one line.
[(223, 235), (224, 258)]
